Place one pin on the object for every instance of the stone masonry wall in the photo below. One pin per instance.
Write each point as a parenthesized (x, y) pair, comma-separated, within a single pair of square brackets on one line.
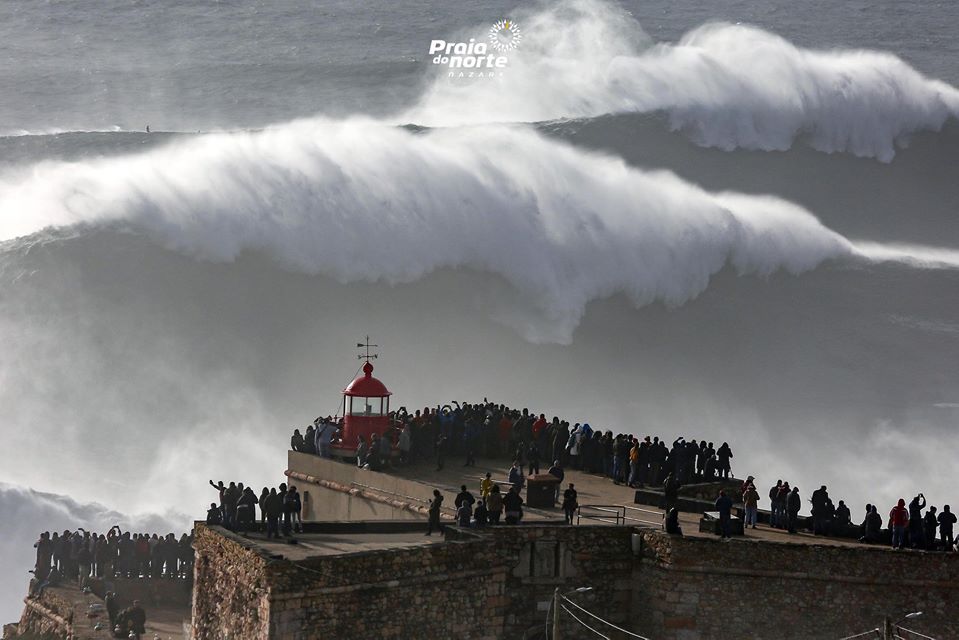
[(694, 588), (49, 615), (498, 583), (230, 588), (540, 559), (480, 587)]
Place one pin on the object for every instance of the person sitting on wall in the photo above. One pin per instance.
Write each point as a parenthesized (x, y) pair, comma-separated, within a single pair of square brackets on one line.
[(480, 515), (213, 515), (464, 497), (819, 498), (296, 442), (672, 522), (871, 526), (842, 518), (464, 514), (494, 505), (513, 505)]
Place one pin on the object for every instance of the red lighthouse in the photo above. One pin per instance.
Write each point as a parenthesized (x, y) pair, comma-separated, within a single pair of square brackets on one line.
[(366, 406)]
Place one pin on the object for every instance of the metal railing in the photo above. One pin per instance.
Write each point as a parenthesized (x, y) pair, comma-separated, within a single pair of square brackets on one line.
[(658, 515), (617, 514), (387, 491), (606, 513)]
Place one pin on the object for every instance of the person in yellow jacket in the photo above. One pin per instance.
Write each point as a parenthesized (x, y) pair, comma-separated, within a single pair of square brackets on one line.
[(486, 486), (634, 464)]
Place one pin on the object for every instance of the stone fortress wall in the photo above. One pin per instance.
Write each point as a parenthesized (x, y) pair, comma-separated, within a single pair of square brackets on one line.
[(471, 586), (496, 584), (690, 588)]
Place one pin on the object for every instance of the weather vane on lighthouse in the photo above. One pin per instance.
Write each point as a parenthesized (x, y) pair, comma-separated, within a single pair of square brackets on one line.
[(366, 345)]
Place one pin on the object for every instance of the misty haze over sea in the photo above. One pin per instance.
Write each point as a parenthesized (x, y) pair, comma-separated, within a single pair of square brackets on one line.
[(733, 220)]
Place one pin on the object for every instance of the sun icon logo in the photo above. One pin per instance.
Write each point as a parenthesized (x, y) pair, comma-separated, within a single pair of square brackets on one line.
[(505, 35)]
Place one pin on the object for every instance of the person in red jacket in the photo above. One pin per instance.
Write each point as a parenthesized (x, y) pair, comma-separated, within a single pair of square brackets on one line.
[(898, 521), (539, 425)]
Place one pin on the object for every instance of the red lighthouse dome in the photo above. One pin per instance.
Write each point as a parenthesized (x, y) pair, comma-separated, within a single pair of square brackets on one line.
[(367, 385)]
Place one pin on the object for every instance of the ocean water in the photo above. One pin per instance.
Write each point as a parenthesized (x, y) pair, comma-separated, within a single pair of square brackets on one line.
[(727, 220)]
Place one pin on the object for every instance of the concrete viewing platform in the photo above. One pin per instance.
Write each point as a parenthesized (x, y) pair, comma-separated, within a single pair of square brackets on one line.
[(412, 485), (320, 539)]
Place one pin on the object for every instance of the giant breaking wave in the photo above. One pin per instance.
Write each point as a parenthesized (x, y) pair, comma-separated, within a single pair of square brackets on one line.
[(562, 225), (727, 86)]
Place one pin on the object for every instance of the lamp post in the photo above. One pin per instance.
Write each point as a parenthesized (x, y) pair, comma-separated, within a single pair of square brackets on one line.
[(888, 627)]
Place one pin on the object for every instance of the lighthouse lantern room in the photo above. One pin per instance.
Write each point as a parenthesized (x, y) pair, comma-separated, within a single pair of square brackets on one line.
[(366, 405)]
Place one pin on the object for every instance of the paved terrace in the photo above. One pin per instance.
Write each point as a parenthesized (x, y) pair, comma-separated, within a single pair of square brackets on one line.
[(592, 490), (318, 540)]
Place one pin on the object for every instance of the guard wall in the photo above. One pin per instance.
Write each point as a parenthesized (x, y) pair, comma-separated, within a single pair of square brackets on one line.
[(477, 587), (696, 588)]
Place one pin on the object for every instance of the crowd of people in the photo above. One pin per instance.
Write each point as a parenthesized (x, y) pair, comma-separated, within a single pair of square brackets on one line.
[(494, 505), (468, 431), (79, 555), (280, 509), (906, 526), (489, 430)]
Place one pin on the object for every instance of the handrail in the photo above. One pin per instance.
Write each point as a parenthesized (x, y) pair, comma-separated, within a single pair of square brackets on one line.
[(618, 510), (650, 523), (915, 633), (400, 495), (392, 493)]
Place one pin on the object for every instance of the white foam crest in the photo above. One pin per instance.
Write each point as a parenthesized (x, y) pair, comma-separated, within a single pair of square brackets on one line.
[(360, 200), (918, 256), (728, 86)]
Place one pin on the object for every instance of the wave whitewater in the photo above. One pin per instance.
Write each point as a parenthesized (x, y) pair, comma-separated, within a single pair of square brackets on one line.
[(363, 201), (726, 85)]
